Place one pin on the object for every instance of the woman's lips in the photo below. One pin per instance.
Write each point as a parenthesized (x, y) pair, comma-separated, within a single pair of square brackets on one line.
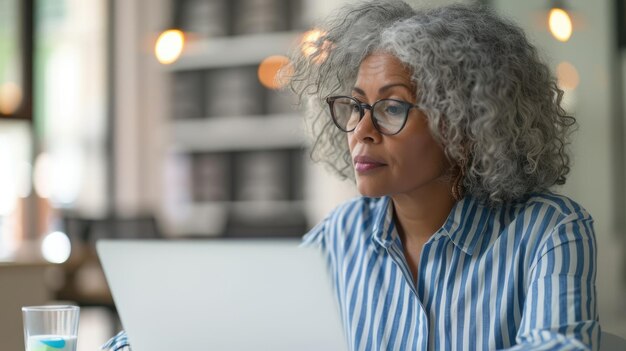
[(364, 164)]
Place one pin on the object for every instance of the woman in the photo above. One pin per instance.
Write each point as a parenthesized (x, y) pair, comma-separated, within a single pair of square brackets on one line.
[(453, 130)]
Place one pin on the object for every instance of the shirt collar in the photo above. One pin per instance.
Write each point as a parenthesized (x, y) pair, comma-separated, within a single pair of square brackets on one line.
[(384, 228), (464, 226), (466, 223)]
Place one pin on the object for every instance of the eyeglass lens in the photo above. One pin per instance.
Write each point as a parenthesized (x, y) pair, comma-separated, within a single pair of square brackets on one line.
[(388, 115)]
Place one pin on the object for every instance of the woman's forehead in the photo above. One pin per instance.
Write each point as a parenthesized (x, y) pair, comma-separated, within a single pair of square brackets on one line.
[(378, 61), (382, 68)]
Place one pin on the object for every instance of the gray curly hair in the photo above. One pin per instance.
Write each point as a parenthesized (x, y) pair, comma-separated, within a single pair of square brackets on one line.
[(491, 102)]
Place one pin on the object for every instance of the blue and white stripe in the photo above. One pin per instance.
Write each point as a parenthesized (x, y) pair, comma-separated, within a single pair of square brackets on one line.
[(520, 276), (117, 343)]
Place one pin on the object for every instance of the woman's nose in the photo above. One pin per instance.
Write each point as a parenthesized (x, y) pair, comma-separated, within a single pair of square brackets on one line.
[(365, 130)]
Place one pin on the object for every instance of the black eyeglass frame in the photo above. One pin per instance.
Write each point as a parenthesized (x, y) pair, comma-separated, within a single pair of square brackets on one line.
[(330, 100)]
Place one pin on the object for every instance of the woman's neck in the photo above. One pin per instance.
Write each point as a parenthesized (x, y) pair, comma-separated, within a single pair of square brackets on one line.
[(419, 216)]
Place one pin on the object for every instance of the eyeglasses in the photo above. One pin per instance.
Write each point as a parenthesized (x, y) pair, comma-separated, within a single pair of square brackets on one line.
[(388, 115)]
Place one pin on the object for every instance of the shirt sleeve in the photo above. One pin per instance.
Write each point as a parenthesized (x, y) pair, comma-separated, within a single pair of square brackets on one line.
[(315, 236), (320, 238), (560, 310), (117, 343)]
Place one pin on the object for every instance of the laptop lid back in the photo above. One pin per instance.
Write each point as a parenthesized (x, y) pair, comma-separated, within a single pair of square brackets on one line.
[(222, 295)]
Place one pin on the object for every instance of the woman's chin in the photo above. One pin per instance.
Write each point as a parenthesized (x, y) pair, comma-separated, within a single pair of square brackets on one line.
[(370, 191)]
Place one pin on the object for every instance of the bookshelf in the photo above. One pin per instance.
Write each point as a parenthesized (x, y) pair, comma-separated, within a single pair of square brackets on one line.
[(236, 148)]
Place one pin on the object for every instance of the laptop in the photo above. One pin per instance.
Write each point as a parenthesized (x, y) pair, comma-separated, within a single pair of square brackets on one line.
[(222, 295)]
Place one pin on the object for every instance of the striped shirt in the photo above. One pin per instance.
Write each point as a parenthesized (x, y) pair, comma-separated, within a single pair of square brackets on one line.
[(117, 343), (520, 276)]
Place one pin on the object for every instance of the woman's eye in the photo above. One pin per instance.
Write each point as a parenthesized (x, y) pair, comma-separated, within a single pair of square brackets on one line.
[(394, 109)]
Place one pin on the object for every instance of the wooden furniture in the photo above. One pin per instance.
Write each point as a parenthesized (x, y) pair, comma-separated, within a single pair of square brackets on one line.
[(22, 284)]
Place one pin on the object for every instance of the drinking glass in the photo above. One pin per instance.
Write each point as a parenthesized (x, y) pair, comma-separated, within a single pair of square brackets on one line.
[(50, 328)]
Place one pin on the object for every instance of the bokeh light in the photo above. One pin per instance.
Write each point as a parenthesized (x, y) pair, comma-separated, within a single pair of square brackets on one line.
[(24, 171), (275, 71), (41, 175), (567, 76), (169, 46), (10, 98), (56, 247), (560, 24), (8, 181), (311, 47), (58, 175)]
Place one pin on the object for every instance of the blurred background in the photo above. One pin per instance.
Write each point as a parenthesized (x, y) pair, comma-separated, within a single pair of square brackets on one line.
[(165, 119)]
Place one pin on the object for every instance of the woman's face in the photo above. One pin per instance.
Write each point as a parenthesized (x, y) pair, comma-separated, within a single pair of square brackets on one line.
[(408, 163)]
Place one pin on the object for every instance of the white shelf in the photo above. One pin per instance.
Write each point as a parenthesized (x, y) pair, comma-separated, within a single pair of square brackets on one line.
[(205, 218), (232, 134), (234, 51), (213, 134), (262, 209), (209, 218)]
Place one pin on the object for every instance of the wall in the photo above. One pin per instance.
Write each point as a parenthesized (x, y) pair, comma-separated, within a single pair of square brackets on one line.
[(140, 105), (593, 178)]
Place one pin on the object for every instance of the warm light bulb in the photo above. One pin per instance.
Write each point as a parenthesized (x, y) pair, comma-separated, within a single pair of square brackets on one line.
[(567, 76), (560, 24), (169, 46), (274, 72), (310, 47), (10, 98), (309, 38), (56, 247)]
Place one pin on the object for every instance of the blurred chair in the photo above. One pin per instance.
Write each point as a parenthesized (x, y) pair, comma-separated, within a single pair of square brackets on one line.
[(611, 342), (85, 283), (88, 230)]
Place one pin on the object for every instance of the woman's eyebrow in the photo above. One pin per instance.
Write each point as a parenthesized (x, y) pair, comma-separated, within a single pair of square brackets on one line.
[(382, 89), (358, 91)]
